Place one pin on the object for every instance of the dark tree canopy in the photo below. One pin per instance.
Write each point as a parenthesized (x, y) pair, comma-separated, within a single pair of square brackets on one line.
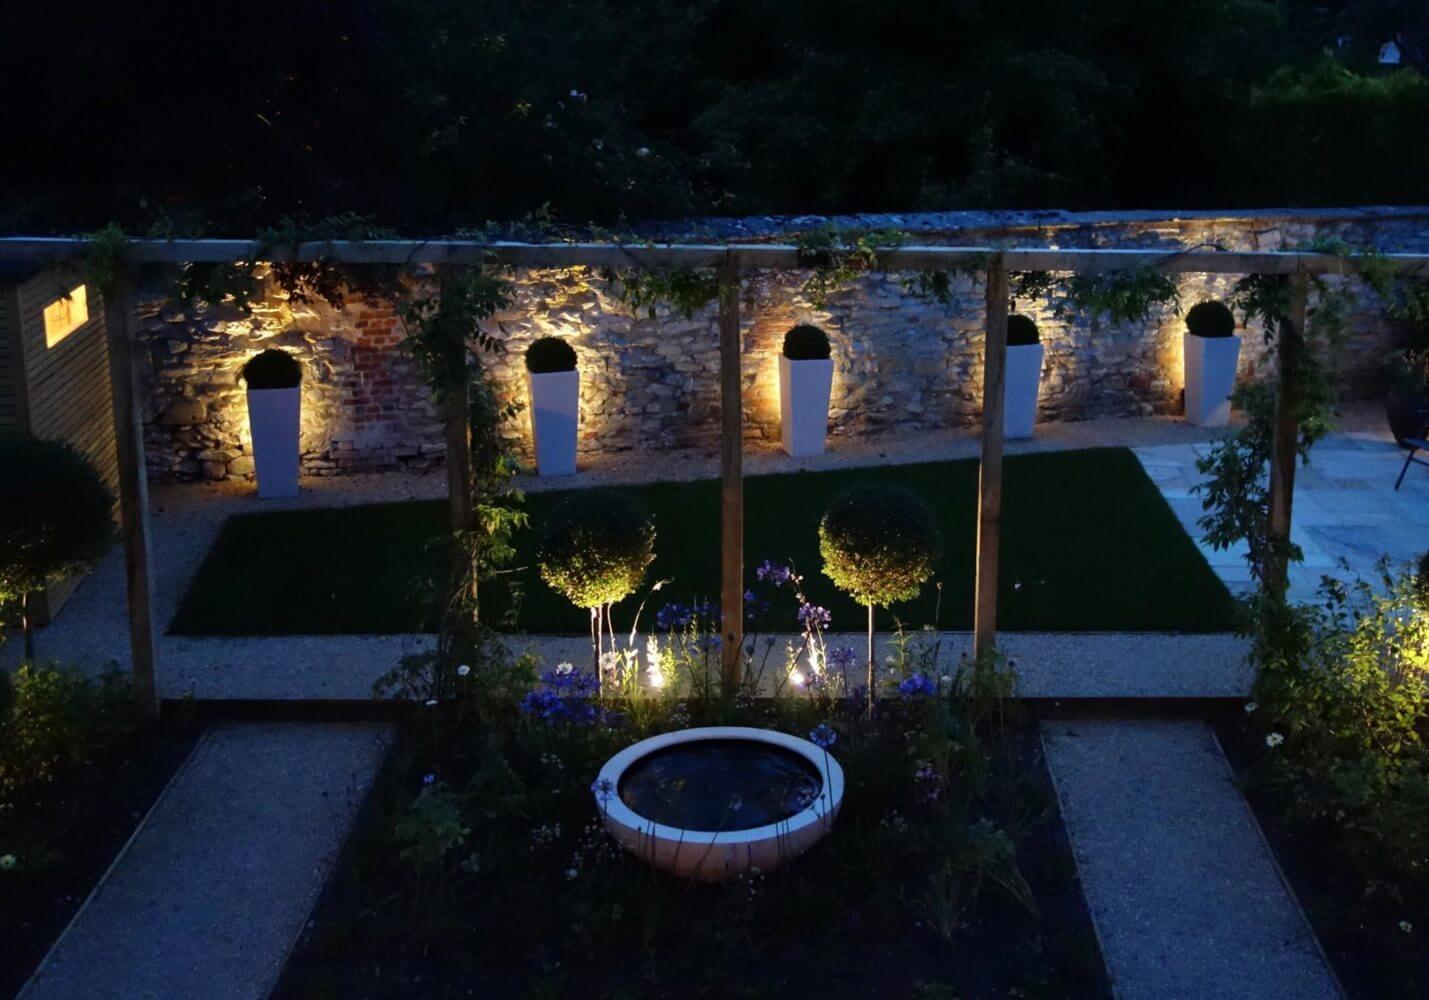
[(431, 115), (55, 514)]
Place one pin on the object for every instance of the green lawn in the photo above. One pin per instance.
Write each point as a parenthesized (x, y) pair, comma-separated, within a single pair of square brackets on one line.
[(1088, 544)]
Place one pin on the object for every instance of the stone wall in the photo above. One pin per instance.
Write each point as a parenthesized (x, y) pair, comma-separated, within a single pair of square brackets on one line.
[(902, 363)]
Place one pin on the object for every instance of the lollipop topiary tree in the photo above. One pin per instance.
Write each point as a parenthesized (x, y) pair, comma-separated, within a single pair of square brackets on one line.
[(595, 549), (56, 518), (879, 544)]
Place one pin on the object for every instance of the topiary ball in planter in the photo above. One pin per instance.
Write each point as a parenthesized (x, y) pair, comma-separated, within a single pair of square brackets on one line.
[(550, 354), (806, 383), (806, 343), (1023, 379), (596, 546), (554, 388), (275, 420), (56, 518), (1210, 319), (1212, 355)]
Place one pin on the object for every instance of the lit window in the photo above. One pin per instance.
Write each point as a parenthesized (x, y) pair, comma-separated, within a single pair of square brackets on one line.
[(64, 316)]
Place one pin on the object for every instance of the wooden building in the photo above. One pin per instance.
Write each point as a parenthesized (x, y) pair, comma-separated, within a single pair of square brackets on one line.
[(54, 375)]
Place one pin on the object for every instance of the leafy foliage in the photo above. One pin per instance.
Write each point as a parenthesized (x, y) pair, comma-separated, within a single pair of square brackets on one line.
[(550, 354), (54, 721), (806, 343), (1122, 296), (446, 318), (596, 547), (272, 369), (836, 257), (1342, 696), (879, 543), (55, 517), (687, 290)]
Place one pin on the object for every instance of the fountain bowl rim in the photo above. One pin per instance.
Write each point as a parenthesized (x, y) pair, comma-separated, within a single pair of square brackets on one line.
[(830, 773)]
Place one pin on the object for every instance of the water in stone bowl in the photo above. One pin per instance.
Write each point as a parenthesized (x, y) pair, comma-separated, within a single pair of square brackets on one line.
[(713, 785)]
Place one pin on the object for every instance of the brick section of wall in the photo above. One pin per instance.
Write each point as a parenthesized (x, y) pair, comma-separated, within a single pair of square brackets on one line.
[(902, 363)]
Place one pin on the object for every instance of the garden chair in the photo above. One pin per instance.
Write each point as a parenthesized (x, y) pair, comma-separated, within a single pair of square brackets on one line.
[(1415, 446)]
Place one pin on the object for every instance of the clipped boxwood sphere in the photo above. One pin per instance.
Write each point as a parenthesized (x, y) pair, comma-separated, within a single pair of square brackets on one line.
[(806, 343), (550, 354), (596, 546), (1210, 319), (878, 543), (272, 369), (56, 514), (1021, 332)]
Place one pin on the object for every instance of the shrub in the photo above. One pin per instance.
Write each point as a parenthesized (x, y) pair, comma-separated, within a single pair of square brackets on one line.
[(550, 354), (57, 720), (1021, 332), (1210, 319), (878, 543), (272, 369), (56, 518), (1343, 707), (806, 343), (596, 547)]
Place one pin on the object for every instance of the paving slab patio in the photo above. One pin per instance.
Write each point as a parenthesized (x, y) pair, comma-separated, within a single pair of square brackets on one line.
[(1185, 894), (212, 891)]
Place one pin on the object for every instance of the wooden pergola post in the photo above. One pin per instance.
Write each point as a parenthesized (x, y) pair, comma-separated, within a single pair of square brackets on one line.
[(731, 452), (133, 493), (1284, 444), (989, 494)]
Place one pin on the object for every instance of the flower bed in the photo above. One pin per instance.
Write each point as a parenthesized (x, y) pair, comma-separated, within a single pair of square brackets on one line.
[(77, 773), (483, 867)]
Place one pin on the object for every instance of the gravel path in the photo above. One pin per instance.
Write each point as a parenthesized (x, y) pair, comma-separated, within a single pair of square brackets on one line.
[(1186, 896), (208, 897)]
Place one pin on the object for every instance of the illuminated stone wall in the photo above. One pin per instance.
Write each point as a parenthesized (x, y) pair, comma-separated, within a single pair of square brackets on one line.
[(902, 363)]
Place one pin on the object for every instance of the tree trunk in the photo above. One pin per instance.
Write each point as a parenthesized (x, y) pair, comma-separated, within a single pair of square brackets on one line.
[(871, 679), (459, 499), (27, 627)]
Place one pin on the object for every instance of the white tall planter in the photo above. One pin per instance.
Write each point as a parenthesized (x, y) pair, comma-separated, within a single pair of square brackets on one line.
[(274, 421), (804, 391), (1024, 376), (555, 419), (1210, 378)]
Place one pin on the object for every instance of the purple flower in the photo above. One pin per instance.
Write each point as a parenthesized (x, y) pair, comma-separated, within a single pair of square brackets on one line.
[(812, 617), (918, 686), (603, 789), (843, 658), (565, 697), (673, 616), (775, 574), (823, 736)]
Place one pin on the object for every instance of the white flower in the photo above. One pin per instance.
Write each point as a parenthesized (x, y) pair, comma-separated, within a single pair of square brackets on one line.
[(890, 659), (571, 874), (643, 151), (1274, 740), (947, 679), (1250, 706), (8, 861), (598, 143), (565, 668), (1404, 925), (431, 703), (463, 670)]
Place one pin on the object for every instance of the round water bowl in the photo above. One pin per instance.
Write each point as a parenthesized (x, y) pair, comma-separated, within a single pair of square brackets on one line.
[(715, 802)]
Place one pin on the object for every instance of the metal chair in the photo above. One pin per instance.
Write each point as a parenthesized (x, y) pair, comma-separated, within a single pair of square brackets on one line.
[(1415, 445)]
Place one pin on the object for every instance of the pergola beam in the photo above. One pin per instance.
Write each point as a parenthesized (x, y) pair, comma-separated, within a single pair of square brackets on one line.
[(743, 256), (989, 473), (731, 467)]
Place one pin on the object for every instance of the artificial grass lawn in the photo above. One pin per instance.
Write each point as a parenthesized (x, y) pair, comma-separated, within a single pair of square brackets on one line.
[(1088, 544)]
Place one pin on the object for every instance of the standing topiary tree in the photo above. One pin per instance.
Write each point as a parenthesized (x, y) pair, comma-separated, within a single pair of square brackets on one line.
[(595, 549), (879, 544), (56, 517)]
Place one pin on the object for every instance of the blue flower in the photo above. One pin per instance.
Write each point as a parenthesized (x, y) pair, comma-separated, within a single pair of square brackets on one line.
[(772, 573), (603, 789), (673, 616), (918, 686), (823, 736), (843, 658), (565, 697), (811, 617)]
